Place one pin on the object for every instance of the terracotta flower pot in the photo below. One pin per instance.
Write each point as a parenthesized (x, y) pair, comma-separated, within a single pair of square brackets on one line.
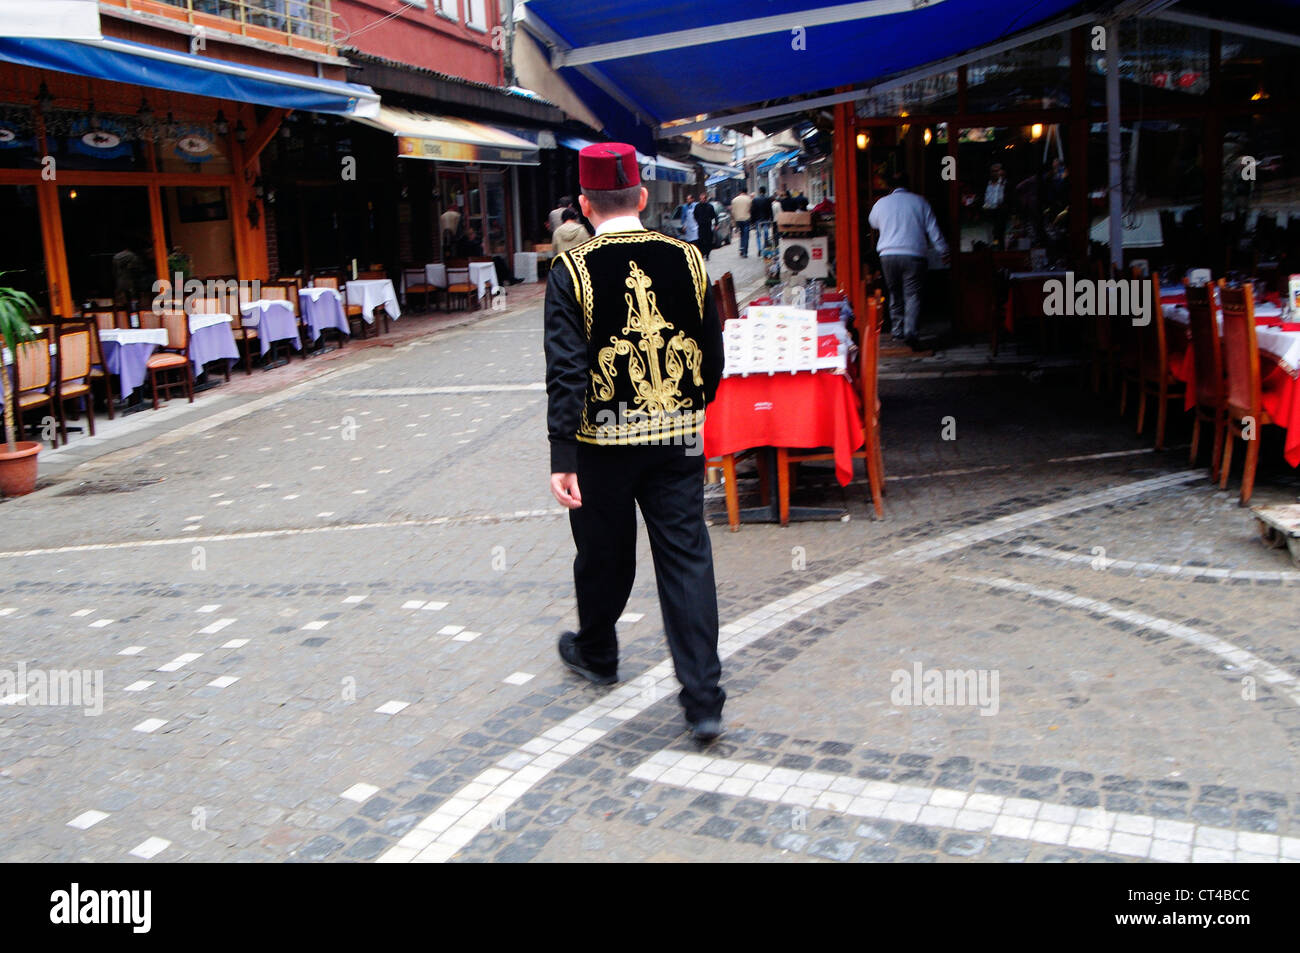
[(18, 469)]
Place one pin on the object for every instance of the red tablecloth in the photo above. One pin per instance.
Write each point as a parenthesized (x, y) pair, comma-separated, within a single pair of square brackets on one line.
[(1280, 396), (786, 410)]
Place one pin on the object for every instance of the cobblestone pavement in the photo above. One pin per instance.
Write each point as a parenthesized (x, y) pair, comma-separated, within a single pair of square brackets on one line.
[(325, 622)]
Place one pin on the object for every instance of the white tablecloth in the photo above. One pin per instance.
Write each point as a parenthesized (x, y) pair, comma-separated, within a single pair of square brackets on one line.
[(370, 293), (482, 274), (316, 293), (1283, 346), (200, 321), (526, 266), (136, 336)]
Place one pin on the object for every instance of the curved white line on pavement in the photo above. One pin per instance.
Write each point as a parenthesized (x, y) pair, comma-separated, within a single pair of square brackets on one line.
[(1042, 822), (476, 805), (1287, 683), (1101, 563), (298, 531)]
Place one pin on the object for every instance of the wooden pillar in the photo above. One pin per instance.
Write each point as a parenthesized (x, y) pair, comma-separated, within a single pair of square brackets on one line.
[(848, 252), (58, 283), (158, 224)]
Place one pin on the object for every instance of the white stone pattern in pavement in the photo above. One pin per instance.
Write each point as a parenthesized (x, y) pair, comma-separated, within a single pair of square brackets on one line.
[(1101, 563), (1233, 654), (475, 806), (1132, 835), (478, 804)]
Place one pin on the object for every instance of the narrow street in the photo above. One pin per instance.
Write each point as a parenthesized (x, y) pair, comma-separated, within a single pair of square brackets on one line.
[(325, 618)]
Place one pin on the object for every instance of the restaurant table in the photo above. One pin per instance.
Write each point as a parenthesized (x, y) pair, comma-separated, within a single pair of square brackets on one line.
[(274, 320), (1025, 294), (371, 293), (804, 409), (126, 353), (211, 339), (322, 308), (1279, 348), (482, 275)]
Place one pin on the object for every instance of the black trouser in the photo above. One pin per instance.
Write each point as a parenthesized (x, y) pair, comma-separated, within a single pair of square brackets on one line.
[(668, 484)]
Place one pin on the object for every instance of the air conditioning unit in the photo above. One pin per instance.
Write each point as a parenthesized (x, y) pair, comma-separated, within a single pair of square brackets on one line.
[(805, 257)]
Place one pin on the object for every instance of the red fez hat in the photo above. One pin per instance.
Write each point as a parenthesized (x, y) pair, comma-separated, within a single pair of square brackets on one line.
[(605, 166)]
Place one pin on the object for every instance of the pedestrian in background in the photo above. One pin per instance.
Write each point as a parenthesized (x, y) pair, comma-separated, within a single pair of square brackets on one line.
[(761, 213), (906, 228), (630, 307), (570, 234), (705, 215), (556, 218), (741, 211), (690, 228)]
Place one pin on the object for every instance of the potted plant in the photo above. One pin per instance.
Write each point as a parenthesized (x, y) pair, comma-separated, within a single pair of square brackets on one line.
[(17, 459)]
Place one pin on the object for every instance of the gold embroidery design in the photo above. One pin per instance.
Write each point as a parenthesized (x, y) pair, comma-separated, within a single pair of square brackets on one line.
[(576, 261), (656, 371)]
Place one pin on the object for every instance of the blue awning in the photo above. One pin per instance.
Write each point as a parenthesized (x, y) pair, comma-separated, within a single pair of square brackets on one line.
[(774, 161), (653, 168), (121, 61), (637, 52)]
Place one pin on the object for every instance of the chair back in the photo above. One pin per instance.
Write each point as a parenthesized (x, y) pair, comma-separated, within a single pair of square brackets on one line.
[(414, 278), (105, 318), (76, 350), (210, 306), (325, 281), (1153, 342), (32, 364), (150, 319), (869, 355), (726, 294), (177, 325), (1207, 350), (458, 271), (372, 273), (1240, 350), (275, 292)]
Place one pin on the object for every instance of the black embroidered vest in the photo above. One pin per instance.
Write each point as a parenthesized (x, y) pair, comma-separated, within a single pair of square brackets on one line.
[(642, 300)]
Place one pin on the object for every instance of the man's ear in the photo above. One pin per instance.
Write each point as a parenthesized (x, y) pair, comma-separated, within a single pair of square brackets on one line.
[(585, 205), (645, 197)]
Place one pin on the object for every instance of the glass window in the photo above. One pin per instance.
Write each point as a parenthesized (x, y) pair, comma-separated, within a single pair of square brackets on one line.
[(1160, 64), (450, 8), (1261, 186), (476, 14), (20, 243), (109, 239), (1033, 76)]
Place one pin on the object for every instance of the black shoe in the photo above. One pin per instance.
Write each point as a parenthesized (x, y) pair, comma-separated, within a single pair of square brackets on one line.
[(914, 343), (573, 660), (706, 729)]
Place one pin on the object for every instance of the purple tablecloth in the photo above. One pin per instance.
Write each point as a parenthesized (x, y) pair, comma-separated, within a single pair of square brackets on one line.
[(128, 361), (322, 308), (274, 321), (213, 343)]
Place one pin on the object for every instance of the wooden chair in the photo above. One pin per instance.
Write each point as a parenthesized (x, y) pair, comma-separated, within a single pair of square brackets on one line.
[(174, 357), (332, 282), (871, 453), (218, 305), (458, 283), (725, 292), (76, 358), (415, 281), (277, 292), (100, 320), (33, 380), (246, 336), (1207, 354), (1154, 377), (1244, 393)]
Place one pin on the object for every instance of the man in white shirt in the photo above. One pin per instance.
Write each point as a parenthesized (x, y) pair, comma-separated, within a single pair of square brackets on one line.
[(690, 227), (741, 210), (905, 227)]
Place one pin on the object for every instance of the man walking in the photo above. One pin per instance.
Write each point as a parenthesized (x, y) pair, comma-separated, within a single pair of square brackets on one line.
[(761, 212), (633, 355), (690, 228), (995, 204), (741, 210), (906, 226), (705, 215)]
